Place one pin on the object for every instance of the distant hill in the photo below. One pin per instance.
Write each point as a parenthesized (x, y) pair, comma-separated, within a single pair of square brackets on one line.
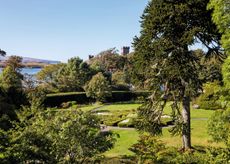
[(31, 62)]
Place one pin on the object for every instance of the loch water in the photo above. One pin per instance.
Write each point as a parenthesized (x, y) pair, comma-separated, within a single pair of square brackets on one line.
[(30, 71)]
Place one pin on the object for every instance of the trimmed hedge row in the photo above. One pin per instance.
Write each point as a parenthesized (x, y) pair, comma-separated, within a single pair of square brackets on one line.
[(53, 100)]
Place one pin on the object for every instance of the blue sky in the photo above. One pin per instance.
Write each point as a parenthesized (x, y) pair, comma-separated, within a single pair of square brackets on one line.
[(61, 29)]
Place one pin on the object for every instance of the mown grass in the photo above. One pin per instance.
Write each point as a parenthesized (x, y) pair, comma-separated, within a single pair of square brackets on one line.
[(120, 107), (195, 113), (127, 138), (124, 142), (199, 118), (199, 135)]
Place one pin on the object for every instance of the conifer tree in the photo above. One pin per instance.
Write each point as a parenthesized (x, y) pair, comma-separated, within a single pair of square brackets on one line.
[(163, 59)]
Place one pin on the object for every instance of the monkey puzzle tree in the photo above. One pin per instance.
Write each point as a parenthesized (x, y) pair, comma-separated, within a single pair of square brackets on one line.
[(163, 59)]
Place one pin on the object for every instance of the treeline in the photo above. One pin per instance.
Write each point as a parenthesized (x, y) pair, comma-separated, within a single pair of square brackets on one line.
[(76, 73)]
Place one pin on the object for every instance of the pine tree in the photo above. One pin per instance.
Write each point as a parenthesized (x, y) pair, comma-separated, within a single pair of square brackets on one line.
[(163, 59)]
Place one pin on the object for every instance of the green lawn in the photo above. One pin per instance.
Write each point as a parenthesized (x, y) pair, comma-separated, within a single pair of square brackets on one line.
[(195, 113), (129, 137), (119, 107), (126, 140), (199, 135)]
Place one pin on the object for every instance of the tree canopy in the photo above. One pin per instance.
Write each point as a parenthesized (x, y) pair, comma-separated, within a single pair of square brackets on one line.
[(98, 88), (221, 16)]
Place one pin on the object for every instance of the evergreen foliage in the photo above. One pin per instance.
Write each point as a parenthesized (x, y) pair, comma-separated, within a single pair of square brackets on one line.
[(163, 58)]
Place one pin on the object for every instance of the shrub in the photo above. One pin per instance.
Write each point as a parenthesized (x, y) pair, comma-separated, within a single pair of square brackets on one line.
[(210, 99), (98, 88), (111, 120), (59, 137), (148, 149), (57, 99), (219, 126)]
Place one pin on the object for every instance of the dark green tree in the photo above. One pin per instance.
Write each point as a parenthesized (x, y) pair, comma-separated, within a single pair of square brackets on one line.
[(11, 94), (164, 61)]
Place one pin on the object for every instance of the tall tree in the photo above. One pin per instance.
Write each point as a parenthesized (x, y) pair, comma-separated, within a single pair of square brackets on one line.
[(11, 91), (163, 58), (221, 16)]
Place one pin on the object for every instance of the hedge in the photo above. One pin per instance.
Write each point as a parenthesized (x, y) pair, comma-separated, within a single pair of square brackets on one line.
[(53, 100)]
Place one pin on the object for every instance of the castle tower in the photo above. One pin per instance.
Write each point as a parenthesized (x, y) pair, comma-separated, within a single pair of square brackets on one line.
[(125, 50)]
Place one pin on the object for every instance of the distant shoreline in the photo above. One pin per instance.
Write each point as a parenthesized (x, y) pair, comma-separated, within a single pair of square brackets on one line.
[(28, 65)]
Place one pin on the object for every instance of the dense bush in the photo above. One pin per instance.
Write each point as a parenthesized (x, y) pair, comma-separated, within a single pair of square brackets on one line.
[(98, 88), (219, 126), (58, 137), (59, 98), (210, 99)]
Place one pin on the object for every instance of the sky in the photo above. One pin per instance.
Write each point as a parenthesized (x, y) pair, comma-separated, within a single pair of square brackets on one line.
[(61, 29)]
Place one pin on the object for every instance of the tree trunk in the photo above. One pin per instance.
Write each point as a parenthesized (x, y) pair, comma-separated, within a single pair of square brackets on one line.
[(186, 131)]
